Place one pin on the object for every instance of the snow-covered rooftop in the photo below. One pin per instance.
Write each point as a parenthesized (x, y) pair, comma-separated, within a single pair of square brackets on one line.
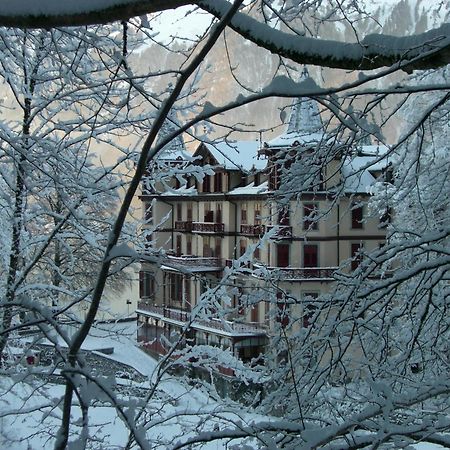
[(358, 172), (239, 155), (251, 189), (304, 125)]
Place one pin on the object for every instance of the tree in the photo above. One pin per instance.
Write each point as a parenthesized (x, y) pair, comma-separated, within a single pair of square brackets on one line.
[(58, 197), (395, 393)]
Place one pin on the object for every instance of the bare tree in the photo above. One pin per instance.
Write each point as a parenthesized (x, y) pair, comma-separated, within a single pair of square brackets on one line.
[(371, 369)]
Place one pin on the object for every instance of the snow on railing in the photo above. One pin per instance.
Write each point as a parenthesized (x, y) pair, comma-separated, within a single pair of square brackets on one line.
[(217, 324)]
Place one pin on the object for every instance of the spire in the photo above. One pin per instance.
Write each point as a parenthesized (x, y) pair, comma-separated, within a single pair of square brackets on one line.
[(305, 117), (175, 148)]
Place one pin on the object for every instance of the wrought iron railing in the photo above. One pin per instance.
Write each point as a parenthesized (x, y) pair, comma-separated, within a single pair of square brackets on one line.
[(208, 227), (252, 230), (183, 225)]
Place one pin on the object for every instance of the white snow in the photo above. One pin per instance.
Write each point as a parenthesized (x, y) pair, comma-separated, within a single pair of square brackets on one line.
[(239, 155), (251, 189)]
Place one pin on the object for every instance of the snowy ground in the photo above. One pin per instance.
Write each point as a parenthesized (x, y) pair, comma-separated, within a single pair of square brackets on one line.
[(30, 411)]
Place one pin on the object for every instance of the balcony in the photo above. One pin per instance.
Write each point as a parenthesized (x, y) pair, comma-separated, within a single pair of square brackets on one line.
[(183, 226), (161, 311), (208, 227), (281, 231), (193, 264), (299, 273), (235, 328), (252, 230)]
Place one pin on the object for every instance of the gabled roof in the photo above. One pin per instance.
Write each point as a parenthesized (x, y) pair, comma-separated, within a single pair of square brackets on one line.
[(238, 155), (358, 171)]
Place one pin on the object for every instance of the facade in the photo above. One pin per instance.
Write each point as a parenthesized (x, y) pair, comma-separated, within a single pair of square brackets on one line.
[(211, 230)]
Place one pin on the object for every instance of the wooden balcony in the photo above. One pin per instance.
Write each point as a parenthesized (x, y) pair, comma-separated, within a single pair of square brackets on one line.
[(163, 312), (208, 227), (282, 231), (252, 230), (183, 226)]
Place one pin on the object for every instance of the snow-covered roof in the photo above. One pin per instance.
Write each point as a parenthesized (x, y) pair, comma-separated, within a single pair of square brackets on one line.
[(251, 189), (305, 125), (183, 190), (357, 172), (239, 155)]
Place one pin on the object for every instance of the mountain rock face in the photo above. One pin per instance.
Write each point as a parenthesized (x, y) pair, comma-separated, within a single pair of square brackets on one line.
[(253, 67)]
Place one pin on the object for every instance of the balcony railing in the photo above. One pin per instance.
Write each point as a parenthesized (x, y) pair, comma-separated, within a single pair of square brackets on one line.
[(194, 263), (299, 273), (252, 230), (282, 231), (170, 313), (216, 324), (183, 225), (208, 227)]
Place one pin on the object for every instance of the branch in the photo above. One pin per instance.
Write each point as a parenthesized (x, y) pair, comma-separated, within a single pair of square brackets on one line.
[(371, 52)]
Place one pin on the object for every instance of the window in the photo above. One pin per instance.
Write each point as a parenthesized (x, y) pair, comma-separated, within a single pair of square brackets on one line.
[(179, 212), (206, 183), (310, 216), (243, 247), (283, 310), (148, 213), (283, 216), (218, 248), (309, 308), (218, 182), (146, 284), (189, 245), (282, 255), (187, 292), (257, 254), (274, 177), (356, 254), (175, 282), (357, 216), (219, 213), (244, 213), (255, 313), (310, 255), (189, 212), (207, 252), (257, 220), (209, 213), (178, 245)]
